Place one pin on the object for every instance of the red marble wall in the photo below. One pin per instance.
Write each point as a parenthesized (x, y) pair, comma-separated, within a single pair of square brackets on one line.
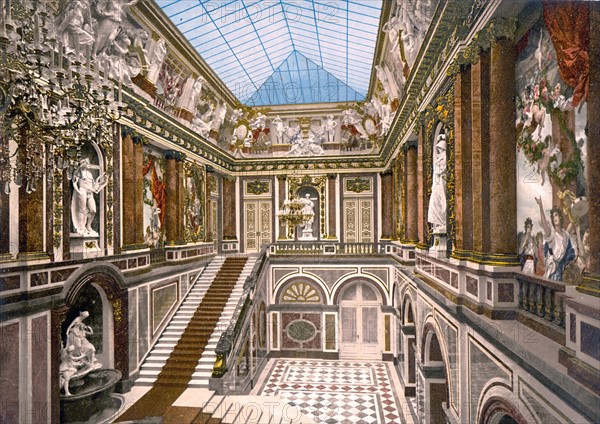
[(9, 373), (39, 369)]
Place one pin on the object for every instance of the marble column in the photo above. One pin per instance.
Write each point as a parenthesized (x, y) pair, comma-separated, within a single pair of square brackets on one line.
[(387, 204), (591, 278), (503, 139), (281, 179), (462, 165), (412, 216), (422, 200), (31, 216), (480, 137), (332, 199), (4, 223), (173, 201), (133, 189), (229, 209)]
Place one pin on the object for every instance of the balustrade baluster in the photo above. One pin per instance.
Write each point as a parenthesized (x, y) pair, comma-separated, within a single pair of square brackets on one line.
[(532, 298), (539, 293), (521, 297), (549, 305)]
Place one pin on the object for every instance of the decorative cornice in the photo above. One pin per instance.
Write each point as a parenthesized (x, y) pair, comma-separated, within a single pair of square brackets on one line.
[(496, 29), (174, 154)]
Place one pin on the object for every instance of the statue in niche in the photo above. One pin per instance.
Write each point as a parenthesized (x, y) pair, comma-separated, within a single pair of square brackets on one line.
[(111, 13), (75, 25), (528, 249), (77, 333), (83, 204), (78, 355), (69, 365), (558, 249), (308, 213), (330, 125), (436, 214)]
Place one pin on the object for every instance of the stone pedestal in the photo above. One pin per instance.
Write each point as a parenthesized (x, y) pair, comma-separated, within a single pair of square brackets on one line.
[(307, 234), (84, 247), (440, 243)]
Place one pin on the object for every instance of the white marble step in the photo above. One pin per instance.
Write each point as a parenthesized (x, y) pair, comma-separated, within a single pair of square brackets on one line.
[(167, 341)]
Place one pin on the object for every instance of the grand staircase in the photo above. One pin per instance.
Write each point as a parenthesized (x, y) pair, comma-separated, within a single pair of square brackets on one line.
[(184, 355)]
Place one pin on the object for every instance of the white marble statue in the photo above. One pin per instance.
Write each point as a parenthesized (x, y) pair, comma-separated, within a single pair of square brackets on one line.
[(69, 367), (436, 215), (78, 355), (330, 126), (308, 211), (77, 334), (83, 205)]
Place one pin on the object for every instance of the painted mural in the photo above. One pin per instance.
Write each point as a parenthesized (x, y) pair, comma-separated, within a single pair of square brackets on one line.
[(154, 198), (551, 153), (194, 202)]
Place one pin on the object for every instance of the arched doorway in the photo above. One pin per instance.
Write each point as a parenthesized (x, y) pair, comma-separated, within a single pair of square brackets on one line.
[(433, 375), (360, 306)]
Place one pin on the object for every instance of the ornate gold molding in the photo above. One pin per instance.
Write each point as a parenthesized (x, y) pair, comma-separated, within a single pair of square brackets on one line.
[(495, 30)]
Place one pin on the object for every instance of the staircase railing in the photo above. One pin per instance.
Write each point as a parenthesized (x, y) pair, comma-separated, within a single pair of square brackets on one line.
[(232, 341)]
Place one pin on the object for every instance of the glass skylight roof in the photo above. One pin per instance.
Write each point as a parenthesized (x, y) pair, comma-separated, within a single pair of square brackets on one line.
[(284, 52)]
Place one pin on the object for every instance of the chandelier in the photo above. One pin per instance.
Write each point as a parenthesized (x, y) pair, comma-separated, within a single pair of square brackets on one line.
[(52, 99), (291, 212)]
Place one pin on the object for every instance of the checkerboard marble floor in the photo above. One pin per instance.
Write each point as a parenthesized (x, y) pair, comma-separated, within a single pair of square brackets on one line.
[(337, 392)]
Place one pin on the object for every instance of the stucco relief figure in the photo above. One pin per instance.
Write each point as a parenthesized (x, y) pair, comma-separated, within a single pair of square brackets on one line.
[(436, 215), (387, 82), (75, 26), (305, 147), (259, 121), (195, 94), (558, 249), (528, 249), (83, 204), (219, 116), (330, 126), (111, 13), (77, 333), (280, 128), (156, 59)]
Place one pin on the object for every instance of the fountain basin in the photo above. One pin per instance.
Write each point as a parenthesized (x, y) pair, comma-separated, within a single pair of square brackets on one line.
[(90, 395)]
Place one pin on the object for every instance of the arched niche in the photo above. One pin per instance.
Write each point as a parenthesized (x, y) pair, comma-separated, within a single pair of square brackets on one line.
[(498, 410), (312, 193), (95, 290)]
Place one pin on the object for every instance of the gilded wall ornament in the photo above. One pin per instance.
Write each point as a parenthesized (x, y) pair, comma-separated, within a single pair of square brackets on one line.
[(257, 187), (358, 185)]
